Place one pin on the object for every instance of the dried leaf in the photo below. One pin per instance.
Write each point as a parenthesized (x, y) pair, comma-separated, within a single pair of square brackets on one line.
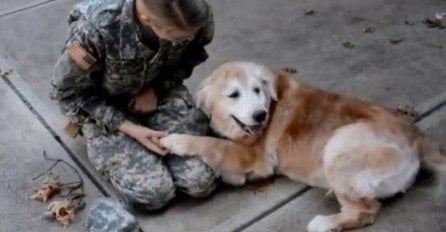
[(407, 22), (5, 72), (435, 23), (289, 70), (348, 45), (369, 30), (396, 41), (408, 111), (63, 211), (434, 45), (309, 12), (50, 186)]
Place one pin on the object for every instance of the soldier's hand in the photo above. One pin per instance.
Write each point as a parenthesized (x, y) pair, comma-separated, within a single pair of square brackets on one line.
[(146, 136), (144, 102)]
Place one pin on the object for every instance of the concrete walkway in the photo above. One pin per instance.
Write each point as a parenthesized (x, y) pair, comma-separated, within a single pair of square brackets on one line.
[(330, 48)]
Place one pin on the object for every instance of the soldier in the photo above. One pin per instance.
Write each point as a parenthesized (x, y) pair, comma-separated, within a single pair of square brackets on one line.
[(120, 78)]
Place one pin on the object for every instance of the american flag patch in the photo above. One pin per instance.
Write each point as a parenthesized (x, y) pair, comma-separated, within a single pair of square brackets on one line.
[(81, 57)]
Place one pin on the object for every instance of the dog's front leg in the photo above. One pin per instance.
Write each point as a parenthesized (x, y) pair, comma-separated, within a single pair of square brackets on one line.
[(231, 160)]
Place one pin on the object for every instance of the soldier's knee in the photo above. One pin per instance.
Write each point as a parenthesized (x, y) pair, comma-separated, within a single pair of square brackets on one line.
[(149, 195), (198, 182), (200, 188)]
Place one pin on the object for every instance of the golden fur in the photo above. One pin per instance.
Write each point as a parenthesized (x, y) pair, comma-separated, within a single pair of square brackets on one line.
[(317, 137)]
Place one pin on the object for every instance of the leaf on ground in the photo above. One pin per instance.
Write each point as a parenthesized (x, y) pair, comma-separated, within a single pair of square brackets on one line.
[(289, 70), (369, 29), (348, 45), (434, 23), (309, 12), (407, 111), (63, 211), (395, 41), (50, 186), (409, 23), (4, 72)]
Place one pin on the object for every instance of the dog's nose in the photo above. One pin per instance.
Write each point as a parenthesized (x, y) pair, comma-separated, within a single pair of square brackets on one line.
[(259, 116)]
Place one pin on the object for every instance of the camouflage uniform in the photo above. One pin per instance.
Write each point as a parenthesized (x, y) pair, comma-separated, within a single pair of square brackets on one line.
[(123, 58)]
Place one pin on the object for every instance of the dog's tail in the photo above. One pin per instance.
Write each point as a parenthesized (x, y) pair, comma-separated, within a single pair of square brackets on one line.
[(433, 158)]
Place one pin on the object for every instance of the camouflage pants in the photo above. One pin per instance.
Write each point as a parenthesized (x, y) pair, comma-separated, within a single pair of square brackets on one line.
[(148, 181)]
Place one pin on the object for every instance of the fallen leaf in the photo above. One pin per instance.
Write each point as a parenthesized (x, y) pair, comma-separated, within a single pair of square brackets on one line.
[(50, 186), (436, 23), (407, 22), (348, 45), (396, 41), (63, 211), (5, 72), (309, 12), (434, 45), (289, 70), (369, 30), (407, 111)]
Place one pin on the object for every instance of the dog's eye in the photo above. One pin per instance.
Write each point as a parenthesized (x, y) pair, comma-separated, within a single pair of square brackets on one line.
[(257, 90), (234, 94)]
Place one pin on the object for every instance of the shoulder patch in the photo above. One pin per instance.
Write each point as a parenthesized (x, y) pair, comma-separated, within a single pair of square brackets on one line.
[(81, 57)]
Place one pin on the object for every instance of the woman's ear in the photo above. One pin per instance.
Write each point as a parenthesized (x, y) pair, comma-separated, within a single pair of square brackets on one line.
[(145, 18)]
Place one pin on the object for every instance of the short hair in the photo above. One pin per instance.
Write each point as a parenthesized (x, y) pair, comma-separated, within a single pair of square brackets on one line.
[(180, 13)]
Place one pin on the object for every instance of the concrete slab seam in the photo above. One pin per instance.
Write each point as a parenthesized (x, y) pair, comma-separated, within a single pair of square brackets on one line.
[(55, 136), (430, 111), (271, 210), (26, 8)]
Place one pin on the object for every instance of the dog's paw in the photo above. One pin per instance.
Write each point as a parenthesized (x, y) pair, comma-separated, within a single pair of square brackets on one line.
[(322, 224), (175, 143)]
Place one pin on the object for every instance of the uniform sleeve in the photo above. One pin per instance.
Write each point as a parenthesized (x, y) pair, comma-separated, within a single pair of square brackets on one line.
[(78, 94)]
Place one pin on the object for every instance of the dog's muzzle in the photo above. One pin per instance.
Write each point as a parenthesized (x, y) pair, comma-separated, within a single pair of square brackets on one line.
[(254, 130)]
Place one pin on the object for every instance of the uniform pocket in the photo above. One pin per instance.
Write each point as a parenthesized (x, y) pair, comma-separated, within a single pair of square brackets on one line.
[(123, 76)]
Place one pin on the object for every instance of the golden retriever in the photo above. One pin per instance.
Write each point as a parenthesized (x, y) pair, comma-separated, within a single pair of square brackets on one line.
[(271, 124)]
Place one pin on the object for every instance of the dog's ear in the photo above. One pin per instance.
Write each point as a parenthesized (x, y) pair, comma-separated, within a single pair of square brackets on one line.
[(202, 97), (269, 80)]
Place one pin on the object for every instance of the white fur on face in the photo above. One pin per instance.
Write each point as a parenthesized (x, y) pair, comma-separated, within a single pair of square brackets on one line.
[(243, 100), (239, 94)]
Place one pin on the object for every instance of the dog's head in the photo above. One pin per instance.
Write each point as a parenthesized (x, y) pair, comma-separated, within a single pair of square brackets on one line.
[(237, 97)]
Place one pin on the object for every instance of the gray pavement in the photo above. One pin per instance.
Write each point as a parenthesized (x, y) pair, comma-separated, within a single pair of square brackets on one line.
[(22, 142), (10, 7), (276, 33)]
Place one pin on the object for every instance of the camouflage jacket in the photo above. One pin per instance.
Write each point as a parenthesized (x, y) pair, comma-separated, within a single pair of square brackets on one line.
[(108, 57)]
